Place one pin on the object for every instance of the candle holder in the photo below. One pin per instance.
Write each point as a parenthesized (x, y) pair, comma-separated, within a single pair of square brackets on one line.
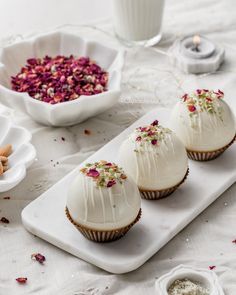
[(196, 55)]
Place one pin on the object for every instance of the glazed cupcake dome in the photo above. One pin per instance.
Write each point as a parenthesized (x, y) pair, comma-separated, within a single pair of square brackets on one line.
[(203, 121), (154, 157), (103, 197)]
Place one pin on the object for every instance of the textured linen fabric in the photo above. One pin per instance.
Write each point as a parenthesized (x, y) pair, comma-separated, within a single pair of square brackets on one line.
[(148, 81)]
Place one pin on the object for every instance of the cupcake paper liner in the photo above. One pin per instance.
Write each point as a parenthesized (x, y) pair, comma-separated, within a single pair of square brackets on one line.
[(159, 194), (207, 156), (102, 236)]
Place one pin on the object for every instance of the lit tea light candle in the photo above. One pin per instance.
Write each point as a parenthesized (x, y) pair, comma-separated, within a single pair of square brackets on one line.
[(197, 47), (196, 42)]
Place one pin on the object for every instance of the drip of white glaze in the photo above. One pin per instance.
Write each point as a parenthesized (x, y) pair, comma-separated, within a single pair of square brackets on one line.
[(103, 204), (112, 203)]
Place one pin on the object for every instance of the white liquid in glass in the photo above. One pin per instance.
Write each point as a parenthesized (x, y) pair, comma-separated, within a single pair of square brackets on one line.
[(138, 20)]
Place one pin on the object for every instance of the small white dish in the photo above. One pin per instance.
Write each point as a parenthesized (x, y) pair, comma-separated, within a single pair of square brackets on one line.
[(206, 278), (13, 58), (22, 156), (195, 66)]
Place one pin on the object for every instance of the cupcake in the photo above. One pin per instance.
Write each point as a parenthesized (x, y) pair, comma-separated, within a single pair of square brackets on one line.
[(156, 159), (103, 202), (204, 123)]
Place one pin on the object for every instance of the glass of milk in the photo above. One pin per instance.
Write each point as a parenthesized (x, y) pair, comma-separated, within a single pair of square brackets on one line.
[(138, 22)]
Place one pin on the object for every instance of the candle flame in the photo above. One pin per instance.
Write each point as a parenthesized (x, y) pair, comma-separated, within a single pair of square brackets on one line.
[(196, 40)]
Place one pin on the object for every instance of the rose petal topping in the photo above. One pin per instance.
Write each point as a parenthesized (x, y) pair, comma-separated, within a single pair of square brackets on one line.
[(155, 123), (93, 173), (104, 174), (199, 91), (111, 183), (185, 96), (154, 142), (204, 100), (191, 108)]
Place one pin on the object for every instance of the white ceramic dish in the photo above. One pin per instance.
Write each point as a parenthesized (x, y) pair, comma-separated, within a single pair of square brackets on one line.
[(161, 220), (13, 57), (207, 278), (22, 156)]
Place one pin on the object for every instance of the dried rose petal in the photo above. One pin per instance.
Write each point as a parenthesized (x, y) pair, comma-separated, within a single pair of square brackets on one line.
[(93, 173), (87, 132), (192, 108), (7, 198), (151, 133), (60, 79), (208, 99), (63, 139), (111, 183), (4, 220), (138, 138), (199, 91), (234, 241), (155, 123), (142, 129), (185, 96), (39, 257), (154, 142), (108, 164), (212, 267), (21, 280)]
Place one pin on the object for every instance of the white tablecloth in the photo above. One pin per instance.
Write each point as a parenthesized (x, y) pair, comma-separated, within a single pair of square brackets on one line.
[(148, 81)]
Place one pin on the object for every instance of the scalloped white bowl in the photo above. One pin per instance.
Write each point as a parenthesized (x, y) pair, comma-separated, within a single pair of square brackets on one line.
[(23, 154), (207, 278), (13, 57)]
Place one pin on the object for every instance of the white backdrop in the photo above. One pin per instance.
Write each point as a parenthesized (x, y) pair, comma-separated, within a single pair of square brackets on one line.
[(148, 81)]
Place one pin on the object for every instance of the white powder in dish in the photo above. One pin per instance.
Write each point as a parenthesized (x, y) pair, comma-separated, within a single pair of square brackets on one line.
[(187, 287)]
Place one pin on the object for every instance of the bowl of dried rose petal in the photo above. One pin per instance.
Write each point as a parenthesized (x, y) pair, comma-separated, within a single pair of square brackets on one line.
[(16, 154), (60, 79)]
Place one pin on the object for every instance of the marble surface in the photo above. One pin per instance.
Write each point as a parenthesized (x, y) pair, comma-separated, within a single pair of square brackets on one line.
[(205, 242)]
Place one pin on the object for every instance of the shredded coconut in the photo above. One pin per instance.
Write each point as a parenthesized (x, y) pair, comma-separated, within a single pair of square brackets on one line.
[(187, 287)]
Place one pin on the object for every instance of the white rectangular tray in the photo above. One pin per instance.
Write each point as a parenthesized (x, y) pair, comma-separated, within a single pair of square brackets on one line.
[(161, 220)]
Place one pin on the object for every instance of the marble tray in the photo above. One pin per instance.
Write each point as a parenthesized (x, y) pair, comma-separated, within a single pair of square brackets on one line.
[(160, 222)]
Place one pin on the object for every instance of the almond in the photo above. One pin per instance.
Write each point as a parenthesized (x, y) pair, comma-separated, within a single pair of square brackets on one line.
[(5, 168), (1, 168), (4, 160), (6, 150)]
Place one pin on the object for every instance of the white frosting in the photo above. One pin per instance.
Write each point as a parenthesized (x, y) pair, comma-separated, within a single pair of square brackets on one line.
[(205, 131), (103, 208), (156, 167)]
